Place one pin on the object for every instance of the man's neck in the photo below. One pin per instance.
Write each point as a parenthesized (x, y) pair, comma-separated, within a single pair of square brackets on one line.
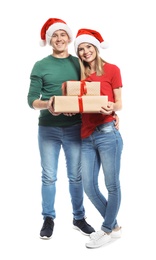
[(57, 54)]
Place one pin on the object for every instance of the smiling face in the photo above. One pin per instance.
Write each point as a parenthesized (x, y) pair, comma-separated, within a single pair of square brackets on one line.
[(60, 40), (87, 52)]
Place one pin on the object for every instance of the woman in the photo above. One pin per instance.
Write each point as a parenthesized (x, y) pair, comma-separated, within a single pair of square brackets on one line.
[(102, 143)]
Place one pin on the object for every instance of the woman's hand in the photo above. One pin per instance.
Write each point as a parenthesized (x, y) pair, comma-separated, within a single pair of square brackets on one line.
[(107, 110)]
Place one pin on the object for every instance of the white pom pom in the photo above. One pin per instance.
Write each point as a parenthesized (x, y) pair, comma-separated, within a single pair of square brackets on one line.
[(42, 43), (104, 45)]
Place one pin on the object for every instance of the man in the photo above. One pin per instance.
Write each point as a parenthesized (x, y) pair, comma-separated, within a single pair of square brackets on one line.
[(57, 130)]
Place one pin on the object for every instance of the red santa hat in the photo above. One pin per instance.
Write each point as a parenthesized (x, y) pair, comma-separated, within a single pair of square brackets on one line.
[(50, 26), (90, 36)]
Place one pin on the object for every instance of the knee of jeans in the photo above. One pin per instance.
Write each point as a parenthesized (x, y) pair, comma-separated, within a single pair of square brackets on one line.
[(113, 187), (46, 180), (75, 180)]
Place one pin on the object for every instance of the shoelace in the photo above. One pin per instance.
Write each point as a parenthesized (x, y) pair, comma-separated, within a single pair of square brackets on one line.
[(96, 235), (83, 222), (47, 223)]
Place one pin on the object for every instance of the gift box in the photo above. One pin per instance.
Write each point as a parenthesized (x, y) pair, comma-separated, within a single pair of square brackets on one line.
[(80, 88), (82, 104)]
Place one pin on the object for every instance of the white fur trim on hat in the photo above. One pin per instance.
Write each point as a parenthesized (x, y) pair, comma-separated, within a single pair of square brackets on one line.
[(89, 39), (42, 43), (86, 38), (57, 26), (104, 45)]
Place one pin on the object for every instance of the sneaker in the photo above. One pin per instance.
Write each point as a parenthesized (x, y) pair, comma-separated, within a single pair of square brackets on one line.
[(83, 226), (47, 228), (98, 239), (116, 233)]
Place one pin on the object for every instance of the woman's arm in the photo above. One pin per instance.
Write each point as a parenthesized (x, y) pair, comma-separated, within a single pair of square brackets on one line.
[(113, 106)]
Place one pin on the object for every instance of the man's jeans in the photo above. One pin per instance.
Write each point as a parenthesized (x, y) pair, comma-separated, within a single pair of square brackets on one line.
[(103, 148), (50, 140)]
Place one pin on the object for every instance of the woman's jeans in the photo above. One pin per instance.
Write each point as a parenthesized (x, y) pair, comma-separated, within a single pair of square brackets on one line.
[(103, 148), (50, 140)]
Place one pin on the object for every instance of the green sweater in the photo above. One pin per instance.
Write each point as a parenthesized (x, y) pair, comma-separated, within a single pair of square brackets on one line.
[(46, 80)]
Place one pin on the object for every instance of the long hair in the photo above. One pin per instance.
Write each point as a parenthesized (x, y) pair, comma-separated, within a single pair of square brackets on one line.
[(85, 68)]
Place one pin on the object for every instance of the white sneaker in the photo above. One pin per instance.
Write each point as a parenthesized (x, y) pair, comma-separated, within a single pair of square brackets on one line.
[(98, 239), (116, 233)]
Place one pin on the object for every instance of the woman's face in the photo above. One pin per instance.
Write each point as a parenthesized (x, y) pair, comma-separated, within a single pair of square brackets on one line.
[(86, 52)]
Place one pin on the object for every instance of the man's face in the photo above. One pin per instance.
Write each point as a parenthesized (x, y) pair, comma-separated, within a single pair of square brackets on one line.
[(60, 40)]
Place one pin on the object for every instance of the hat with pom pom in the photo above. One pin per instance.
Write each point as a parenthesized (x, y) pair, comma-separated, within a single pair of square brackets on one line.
[(90, 36), (50, 26)]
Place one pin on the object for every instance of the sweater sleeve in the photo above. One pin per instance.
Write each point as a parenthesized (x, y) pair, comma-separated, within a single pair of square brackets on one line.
[(35, 85)]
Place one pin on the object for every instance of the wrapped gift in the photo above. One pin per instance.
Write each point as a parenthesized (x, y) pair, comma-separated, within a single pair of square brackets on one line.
[(82, 104), (80, 88)]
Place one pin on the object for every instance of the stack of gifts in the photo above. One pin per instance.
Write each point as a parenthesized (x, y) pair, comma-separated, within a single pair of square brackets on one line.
[(80, 97)]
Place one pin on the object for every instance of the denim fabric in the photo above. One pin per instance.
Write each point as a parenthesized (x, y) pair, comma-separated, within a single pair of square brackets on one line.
[(50, 140), (103, 149)]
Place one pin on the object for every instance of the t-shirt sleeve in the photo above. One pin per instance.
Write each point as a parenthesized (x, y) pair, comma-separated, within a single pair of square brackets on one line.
[(116, 77)]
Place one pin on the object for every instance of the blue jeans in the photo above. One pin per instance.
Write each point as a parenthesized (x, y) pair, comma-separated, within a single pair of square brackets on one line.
[(50, 140), (103, 148)]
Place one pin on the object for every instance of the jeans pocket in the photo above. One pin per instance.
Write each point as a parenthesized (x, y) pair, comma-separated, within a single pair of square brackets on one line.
[(105, 128)]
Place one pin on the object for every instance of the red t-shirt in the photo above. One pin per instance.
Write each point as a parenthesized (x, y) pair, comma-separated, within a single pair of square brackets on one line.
[(109, 81)]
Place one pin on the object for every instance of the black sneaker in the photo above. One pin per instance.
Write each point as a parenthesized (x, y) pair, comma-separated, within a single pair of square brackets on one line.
[(83, 226), (47, 228)]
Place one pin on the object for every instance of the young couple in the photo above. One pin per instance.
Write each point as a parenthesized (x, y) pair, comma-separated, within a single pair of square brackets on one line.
[(89, 141)]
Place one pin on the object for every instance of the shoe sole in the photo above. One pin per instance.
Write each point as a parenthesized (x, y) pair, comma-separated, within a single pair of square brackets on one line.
[(77, 228), (97, 246), (45, 238)]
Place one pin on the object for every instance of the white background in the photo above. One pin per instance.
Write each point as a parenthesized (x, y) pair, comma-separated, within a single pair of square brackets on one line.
[(129, 27)]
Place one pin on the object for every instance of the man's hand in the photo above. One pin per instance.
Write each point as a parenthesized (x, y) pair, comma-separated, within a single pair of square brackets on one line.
[(116, 121), (69, 114), (51, 108)]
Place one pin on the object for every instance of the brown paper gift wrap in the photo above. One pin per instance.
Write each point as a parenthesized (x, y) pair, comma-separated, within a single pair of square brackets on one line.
[(80, 88), (83, 104)]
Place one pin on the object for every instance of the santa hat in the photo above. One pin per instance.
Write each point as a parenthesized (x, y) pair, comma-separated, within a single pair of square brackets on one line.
[(50, 26), (90, 36)]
